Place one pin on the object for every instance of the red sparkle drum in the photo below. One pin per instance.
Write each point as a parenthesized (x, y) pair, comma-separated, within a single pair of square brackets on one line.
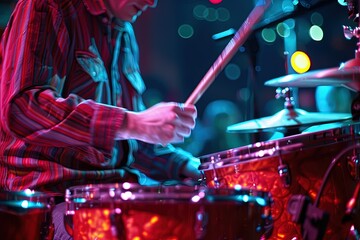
[(130, 211), (294, 165), (25, 215)]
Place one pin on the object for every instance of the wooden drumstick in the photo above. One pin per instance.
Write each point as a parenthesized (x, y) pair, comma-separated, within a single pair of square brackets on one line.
[(231, 48)]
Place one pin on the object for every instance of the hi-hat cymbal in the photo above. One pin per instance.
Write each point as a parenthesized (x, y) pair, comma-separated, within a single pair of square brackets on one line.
[(285, 120), (348, 77)]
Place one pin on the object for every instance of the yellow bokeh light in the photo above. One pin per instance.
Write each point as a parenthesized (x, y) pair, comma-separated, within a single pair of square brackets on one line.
[(154, 219), (300, 62)]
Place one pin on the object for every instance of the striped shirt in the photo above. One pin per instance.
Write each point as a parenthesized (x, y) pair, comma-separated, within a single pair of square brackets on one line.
[(67, 73)]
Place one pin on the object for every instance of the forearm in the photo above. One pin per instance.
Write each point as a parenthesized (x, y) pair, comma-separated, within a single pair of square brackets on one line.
[(41, 117)]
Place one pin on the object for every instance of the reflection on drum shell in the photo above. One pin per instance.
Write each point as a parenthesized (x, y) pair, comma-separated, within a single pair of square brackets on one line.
[(307, 157), (169, 212), (25, 215)]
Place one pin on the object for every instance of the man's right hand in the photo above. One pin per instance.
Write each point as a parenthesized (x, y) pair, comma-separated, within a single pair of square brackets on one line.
[(163, 123)]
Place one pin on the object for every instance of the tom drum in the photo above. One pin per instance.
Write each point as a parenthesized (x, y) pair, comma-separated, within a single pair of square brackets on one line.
[(294, 165), (130, 211)]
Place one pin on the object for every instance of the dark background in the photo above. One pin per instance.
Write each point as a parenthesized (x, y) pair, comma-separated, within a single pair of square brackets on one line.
[(172, 66)]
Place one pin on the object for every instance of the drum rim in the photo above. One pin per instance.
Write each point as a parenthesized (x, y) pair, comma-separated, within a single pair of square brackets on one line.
[(23, 200), (347, 131), (96, 193)]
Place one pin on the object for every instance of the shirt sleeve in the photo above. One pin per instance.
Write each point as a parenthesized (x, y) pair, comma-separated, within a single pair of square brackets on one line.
[(34, 66)]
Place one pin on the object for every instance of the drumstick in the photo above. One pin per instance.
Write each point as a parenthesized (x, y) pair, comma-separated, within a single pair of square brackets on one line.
[(231, 48)]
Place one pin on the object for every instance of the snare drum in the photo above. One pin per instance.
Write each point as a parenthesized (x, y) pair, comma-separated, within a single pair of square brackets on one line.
[(25, 215), (130, 211), (293, 165)]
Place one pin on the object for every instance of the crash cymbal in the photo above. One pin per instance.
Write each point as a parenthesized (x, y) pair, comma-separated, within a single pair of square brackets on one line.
[(348, 77), (285, 120)]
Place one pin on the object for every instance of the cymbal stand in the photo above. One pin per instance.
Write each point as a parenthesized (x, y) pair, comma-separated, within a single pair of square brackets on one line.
[(349, 33), (289, 103), (353, 63), (353, 12), (289, 106)]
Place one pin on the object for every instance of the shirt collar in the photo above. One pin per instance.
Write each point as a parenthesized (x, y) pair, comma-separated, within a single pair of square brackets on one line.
[(95, 7)]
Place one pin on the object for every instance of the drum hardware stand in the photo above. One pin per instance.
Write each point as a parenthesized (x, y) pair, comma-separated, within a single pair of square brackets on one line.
[(215, 178), (289, 106), (349, 33), (118, 229), (353, 161), (284, 173), (47, 227), (312, 219), (283, 168), (201, 222)]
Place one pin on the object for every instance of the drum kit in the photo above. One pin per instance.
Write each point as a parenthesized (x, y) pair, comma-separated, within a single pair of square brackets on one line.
[(302, 186), (312, 174)]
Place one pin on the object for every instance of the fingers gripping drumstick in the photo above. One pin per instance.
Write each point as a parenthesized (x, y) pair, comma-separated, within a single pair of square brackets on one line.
[(239, 38)]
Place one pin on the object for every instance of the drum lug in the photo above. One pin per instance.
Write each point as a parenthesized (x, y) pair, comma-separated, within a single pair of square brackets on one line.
[(284, 174), (118, 229), (215, 178), (69, 223), (201, 221), (47, 227)]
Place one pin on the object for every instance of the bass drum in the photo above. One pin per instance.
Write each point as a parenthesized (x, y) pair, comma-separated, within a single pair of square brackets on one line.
[(130, 211), (25, 215), (294, 165)]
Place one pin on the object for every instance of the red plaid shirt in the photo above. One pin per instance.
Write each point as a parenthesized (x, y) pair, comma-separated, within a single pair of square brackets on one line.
[(64, 83)]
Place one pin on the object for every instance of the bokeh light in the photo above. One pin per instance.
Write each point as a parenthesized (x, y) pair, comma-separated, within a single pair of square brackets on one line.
[(300, 62), (215, 1), (342, 2), (287, 6), (290, 23), (316, 33), (212, 15), (223, 14), (186, 31), (317, 19), (269, 35), (232, 71), (200, 11), (283, 29), (244, 94)]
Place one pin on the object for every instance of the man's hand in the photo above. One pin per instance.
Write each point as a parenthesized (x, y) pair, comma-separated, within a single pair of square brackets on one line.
[(161, 124), (191, 170)]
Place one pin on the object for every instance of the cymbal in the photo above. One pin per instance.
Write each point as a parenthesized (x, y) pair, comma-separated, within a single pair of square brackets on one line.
[(348, 77), (285, 120)]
